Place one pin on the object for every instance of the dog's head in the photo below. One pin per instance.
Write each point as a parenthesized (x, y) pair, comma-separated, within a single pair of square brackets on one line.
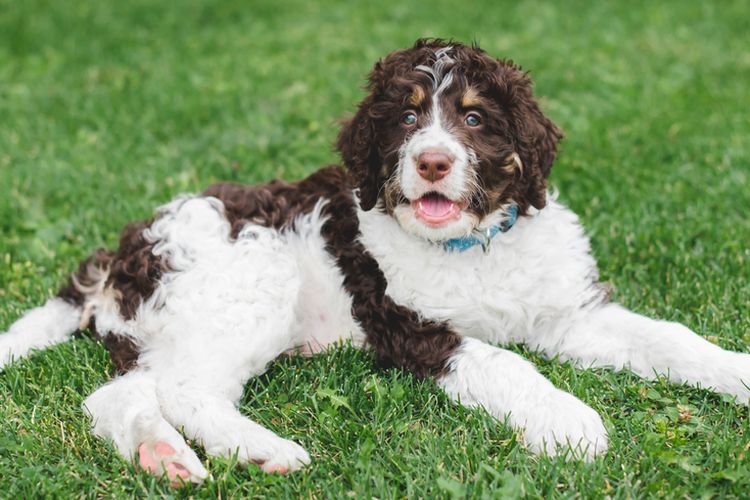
[(448, 137)]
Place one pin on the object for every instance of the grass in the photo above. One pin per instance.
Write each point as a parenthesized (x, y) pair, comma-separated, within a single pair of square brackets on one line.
[(110, 108)]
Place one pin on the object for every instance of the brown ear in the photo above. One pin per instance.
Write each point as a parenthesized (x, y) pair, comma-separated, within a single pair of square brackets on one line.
[(535, 136), (356, 143)]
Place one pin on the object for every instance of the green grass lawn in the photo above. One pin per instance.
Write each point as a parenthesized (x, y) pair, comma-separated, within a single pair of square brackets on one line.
[(109, 108)]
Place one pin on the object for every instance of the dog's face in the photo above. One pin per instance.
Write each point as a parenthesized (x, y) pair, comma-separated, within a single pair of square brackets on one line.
[(448, 138)]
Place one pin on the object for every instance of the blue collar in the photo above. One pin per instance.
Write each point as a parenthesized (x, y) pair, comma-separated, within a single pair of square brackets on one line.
[(483, 237)]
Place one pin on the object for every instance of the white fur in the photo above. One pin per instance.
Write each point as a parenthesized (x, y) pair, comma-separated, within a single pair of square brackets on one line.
[(612, 336), (40, 327), (220, 316), (323, 313), (510, 389), (534, 276)]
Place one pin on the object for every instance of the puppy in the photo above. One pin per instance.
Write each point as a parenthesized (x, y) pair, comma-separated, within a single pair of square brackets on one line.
[(437, 242)]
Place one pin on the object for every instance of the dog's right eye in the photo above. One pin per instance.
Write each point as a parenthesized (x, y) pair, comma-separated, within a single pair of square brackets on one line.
[(409, 118)]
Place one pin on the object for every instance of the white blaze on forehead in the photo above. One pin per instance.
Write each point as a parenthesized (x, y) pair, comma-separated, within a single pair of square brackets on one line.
[(442, 77)]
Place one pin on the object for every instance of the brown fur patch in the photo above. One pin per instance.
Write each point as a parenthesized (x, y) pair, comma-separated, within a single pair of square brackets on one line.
[(471, 98), (87, 275), (417, 96), (122, 350), (132, 274), (135, 270), (88, 279)]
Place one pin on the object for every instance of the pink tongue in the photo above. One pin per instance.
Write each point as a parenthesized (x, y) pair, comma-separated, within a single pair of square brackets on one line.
[(435, 206), (436, 210)]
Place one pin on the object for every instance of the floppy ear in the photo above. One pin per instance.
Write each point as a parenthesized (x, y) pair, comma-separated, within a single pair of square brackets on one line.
[(534, 135), (356, 143)]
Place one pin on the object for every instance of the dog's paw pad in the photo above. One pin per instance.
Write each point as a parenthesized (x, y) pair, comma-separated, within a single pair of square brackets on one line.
[(274, 468), (177, 472), (147, 459), (180, 467)]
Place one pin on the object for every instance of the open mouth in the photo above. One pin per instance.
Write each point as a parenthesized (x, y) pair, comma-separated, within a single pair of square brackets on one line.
[(434, 209)]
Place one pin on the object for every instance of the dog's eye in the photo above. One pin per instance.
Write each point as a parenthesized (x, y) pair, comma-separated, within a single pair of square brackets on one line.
[(473, 120), (409, 118)]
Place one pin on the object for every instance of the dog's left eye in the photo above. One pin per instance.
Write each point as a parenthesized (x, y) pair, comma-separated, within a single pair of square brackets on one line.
[(473, 120), (409, 118)]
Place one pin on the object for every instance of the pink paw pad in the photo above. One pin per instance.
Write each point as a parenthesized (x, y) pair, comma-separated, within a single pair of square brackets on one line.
[(151, 461), (280, 469)]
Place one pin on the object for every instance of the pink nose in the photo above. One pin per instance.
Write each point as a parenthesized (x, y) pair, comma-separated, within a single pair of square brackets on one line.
[(434, 165)]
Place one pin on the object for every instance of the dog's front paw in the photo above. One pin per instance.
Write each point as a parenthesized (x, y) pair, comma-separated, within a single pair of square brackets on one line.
[(263, 448), (176, 460), (568, 427), (286, 456)]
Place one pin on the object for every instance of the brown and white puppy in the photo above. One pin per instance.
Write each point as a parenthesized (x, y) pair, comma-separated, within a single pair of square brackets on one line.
[(438, 242)]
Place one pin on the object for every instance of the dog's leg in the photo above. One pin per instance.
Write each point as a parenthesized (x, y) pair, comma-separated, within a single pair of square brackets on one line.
[(40, 327), (211, 418), (509, 387), (470, 371), (612, 336), (127, 412), (213, 347)]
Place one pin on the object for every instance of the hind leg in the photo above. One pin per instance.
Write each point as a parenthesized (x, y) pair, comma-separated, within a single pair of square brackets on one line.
[(200, 382), (223, 321), (127, 412), (203, 369), (40, 327)]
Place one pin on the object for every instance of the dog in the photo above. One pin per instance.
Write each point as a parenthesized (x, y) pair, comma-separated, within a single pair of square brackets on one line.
[(437, 242)]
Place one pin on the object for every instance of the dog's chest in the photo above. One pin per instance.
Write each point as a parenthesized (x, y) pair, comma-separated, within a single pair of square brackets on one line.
[(468, 289), (530, 275)]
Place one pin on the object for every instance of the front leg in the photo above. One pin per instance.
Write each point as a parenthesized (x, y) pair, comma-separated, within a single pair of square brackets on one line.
[(510, 388), (611, 336), (470, 371)]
